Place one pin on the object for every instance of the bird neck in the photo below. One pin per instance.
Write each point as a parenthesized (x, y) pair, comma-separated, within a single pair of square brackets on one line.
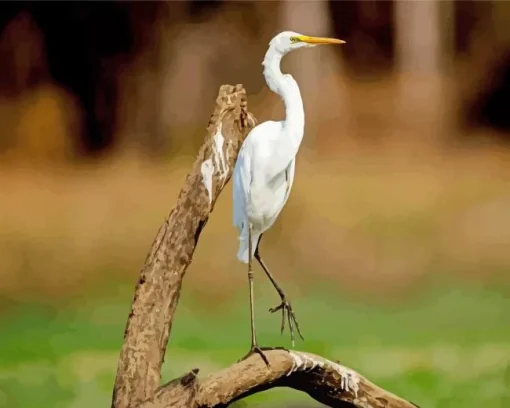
[(288, 89)]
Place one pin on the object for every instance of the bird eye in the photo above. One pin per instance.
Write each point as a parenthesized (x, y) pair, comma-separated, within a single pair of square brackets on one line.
[(294, 39)]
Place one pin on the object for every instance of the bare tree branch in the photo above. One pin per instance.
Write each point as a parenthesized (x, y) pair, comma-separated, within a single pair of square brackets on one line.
[(326, 381), (158, 289), (157, 292)]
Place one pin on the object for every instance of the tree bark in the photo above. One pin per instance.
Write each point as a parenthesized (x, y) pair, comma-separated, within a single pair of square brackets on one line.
[(157, 294), (424, 102), (325, 381)]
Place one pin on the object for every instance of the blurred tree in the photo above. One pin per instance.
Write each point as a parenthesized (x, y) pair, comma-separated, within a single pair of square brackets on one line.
[(212, 45), (36, 118), (490, 107), (317, 73), (369, 26), (75, 54), (22, 49), (141, 82), (483, 48), (423, 35), (134, 74), (81, 50)]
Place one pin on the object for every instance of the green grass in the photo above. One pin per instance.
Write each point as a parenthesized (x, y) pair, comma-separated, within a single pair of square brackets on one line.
[(445, 348)]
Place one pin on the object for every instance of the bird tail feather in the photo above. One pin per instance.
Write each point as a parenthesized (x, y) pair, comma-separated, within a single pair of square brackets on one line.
[(242, 253)]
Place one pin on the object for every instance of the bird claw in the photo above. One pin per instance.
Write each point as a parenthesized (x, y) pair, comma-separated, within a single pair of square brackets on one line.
[(287, 311), (260, 351)]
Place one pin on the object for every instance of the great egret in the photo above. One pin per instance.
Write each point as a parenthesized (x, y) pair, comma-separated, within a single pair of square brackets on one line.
[(264, 171)]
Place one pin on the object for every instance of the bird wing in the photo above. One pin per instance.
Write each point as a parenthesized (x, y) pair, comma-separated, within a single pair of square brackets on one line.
[(259, 162), (241, 180), (253, 161), (289, 175)]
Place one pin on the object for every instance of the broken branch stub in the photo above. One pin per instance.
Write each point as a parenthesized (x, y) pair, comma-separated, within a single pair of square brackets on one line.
[(178, 393), (157, 291)]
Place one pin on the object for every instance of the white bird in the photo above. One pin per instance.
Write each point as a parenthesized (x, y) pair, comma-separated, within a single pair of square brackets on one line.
[(264, 171)]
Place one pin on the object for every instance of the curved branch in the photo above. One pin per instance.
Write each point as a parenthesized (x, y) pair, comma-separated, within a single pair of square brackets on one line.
[(326, 381)]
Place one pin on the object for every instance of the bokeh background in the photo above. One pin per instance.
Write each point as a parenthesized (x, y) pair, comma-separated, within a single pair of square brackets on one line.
[(394, 245)]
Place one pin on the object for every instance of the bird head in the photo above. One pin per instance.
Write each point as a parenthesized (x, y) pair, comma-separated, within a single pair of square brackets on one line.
[(290, 40)]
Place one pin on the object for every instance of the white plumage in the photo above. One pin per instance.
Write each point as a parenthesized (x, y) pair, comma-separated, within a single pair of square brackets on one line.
[(264, 171), (260, 188)]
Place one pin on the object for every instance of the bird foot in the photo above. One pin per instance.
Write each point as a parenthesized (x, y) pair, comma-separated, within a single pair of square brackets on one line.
[(260, 351), (287, 311)]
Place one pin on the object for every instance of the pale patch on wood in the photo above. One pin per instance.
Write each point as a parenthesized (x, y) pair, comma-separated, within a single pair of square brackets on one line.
[(207, 170), (220, 158), (349, 380), (218, 162)]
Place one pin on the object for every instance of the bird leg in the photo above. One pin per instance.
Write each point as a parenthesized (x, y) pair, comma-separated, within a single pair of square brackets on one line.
[(254, 346), (285, 306)]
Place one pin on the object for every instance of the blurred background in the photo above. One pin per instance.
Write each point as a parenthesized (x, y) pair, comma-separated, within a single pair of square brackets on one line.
[(393, 247)]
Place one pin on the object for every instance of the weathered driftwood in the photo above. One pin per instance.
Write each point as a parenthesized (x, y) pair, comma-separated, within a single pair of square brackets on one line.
[(326, 381), (157, 293)]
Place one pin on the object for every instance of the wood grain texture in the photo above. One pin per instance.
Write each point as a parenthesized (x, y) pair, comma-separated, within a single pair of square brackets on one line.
[(325, 381), (157, 292)]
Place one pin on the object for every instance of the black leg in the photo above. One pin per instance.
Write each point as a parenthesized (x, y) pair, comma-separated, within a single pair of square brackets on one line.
[(285, 306), (254, 346), (250, 284)]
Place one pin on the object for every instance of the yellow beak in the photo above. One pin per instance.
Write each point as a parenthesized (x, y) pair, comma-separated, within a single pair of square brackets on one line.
[(320, 40)]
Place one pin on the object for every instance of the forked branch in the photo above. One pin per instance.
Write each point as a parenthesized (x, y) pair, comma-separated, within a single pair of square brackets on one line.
[(157, 293)]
